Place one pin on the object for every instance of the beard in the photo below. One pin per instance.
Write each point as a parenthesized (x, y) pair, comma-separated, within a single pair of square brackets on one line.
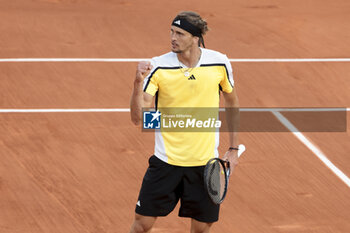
[(176, 50)]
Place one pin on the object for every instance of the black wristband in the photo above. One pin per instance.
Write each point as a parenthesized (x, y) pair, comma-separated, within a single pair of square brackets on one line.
[(233, 148)]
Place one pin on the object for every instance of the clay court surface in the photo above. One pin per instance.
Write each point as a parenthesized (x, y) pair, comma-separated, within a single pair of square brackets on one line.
[(81, 172)]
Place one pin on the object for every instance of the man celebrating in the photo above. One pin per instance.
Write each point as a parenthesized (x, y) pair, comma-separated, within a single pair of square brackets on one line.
[(187, 77)]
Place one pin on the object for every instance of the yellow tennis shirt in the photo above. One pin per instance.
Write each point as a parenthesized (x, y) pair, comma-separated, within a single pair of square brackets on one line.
[(199, 89)]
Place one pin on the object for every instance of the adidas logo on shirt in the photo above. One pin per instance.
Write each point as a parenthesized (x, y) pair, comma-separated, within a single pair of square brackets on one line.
[(177, 22), (192, 77)]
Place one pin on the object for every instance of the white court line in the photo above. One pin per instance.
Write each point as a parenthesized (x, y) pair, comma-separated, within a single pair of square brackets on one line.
[(291, 60), (313, 148), (73, 59), (48, 110), (291, 109), (63, 110), (145, 59)]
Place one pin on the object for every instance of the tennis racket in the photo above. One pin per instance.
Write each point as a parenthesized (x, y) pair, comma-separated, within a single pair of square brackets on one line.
[(216, 177)]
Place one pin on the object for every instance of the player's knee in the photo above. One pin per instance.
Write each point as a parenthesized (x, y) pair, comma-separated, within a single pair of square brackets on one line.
[(203, 230), (140, 228), (200, 227), (142, 224)]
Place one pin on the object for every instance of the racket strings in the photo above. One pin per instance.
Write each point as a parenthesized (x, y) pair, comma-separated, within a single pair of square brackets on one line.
[(216, 181)]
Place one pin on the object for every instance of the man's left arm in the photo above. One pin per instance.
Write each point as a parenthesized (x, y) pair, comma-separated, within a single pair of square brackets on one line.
[(232, 120)]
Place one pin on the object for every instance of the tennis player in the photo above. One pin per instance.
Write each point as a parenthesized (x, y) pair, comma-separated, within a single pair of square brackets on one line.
[(188, 76)]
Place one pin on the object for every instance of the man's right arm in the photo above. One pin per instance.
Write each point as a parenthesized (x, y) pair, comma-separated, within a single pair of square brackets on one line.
[(140, 99)]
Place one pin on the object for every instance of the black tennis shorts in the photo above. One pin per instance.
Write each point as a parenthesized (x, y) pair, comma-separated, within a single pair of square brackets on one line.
[(164, 185)]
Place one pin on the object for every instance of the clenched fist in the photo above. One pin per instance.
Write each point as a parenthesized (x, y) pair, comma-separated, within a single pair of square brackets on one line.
[(143, 69)]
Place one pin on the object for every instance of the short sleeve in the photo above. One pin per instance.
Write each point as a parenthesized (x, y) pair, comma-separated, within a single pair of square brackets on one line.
[(150, 84), (227, 82)]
